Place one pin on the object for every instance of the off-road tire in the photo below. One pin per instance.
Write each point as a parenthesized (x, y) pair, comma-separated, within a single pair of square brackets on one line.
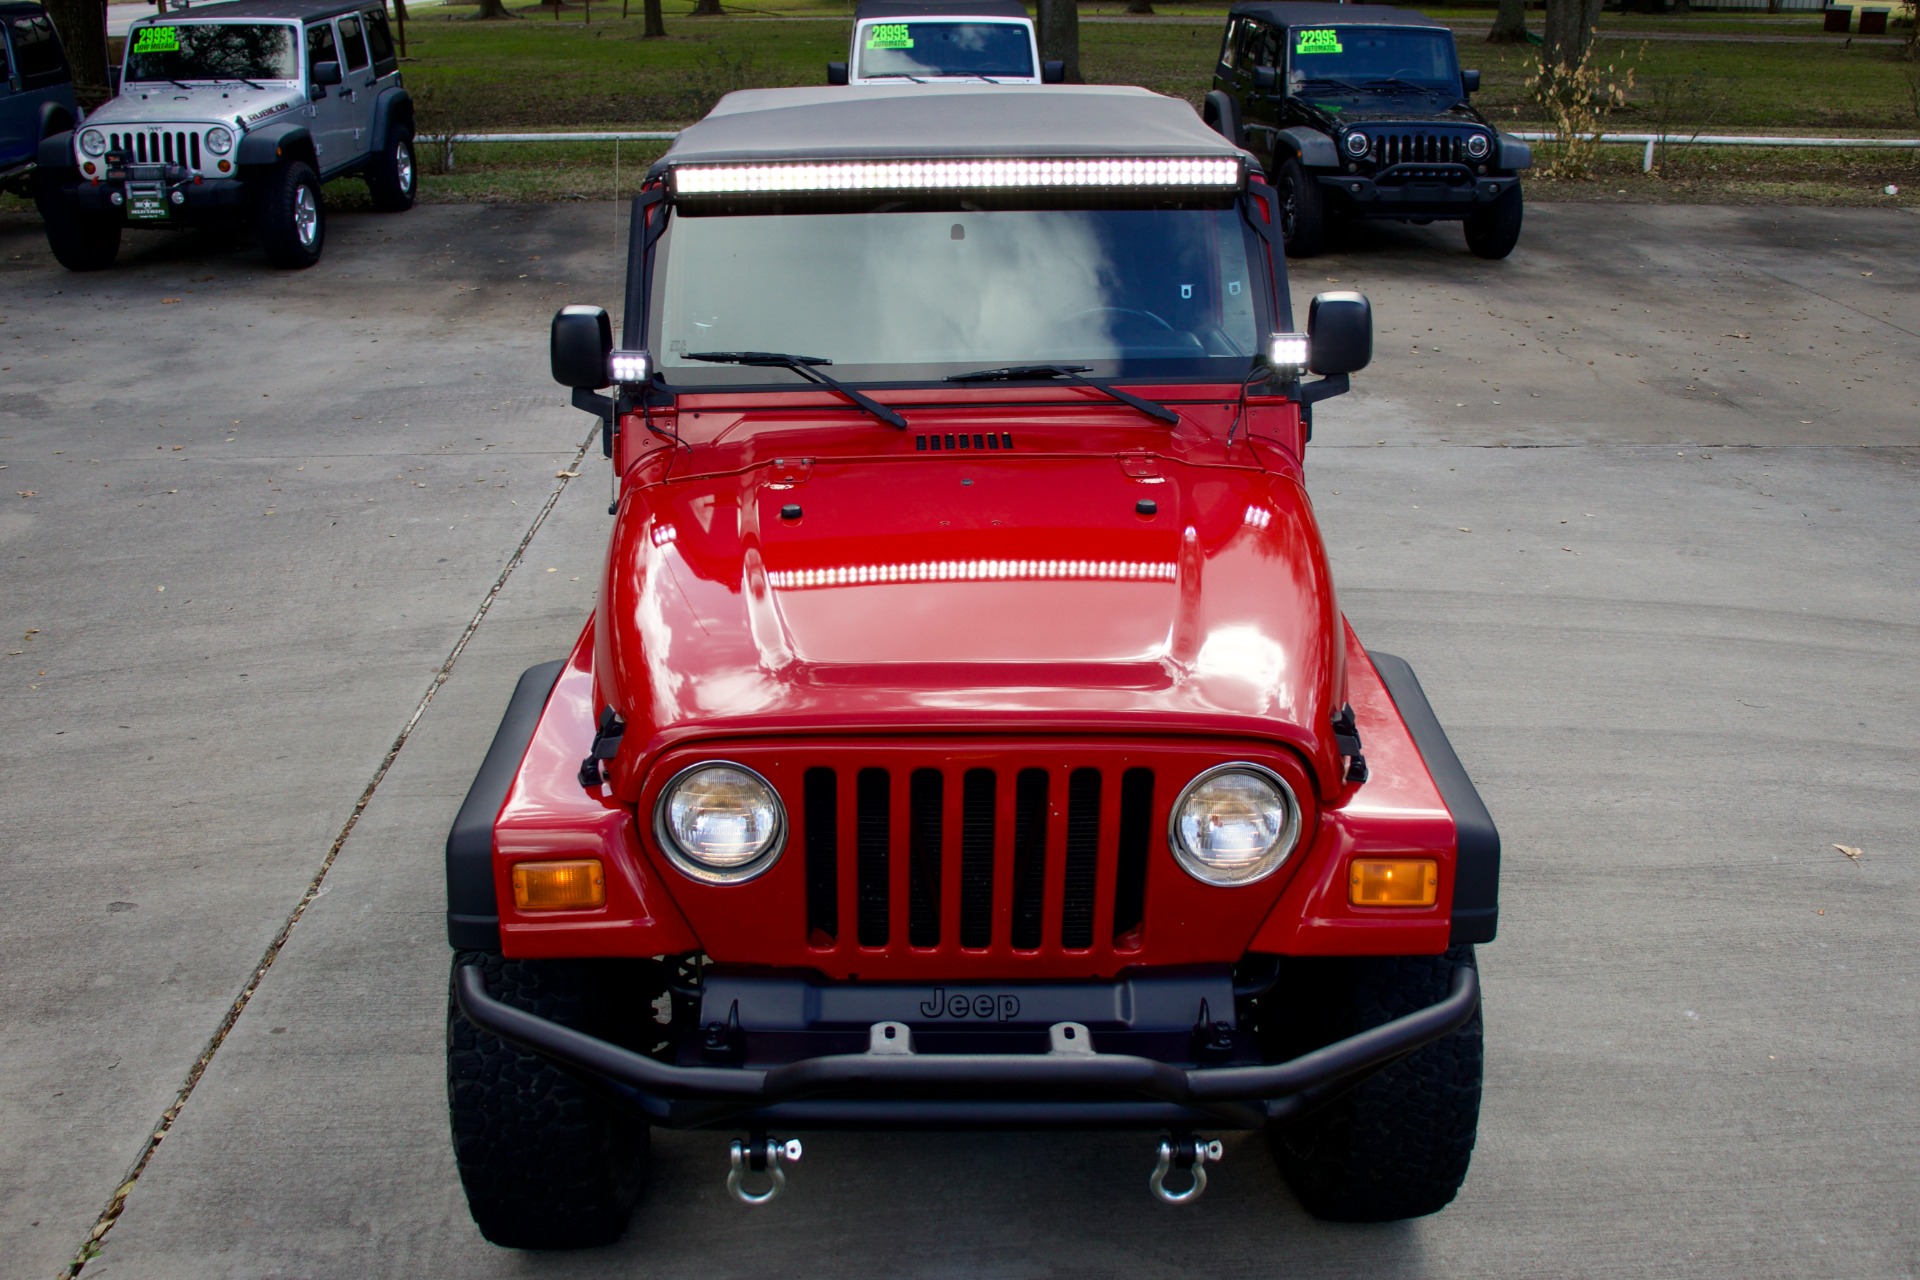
[(546, 1162), (1303, 214), (291, 216), (1396, 1145), (393, 176), (81, 242), (1492, 232)]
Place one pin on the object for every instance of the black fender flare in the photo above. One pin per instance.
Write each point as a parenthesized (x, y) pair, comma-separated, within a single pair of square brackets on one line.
[(1225, 116), (55, 117), (392, 118), (1313, 149), (56, 151), (275, 143)]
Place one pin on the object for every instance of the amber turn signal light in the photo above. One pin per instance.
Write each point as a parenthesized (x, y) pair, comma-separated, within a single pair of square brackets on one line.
[(1393, 882), (559, 886)]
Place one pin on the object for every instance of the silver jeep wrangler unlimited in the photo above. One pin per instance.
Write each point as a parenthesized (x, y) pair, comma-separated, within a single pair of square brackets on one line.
[(234, 119)]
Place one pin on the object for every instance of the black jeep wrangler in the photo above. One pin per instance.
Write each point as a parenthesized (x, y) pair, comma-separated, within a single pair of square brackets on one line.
[(1362, 112)]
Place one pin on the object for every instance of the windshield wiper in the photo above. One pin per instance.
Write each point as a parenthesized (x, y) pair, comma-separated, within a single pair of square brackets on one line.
[(805, 366), (1388, 86), (1071, 372), (1326, 80), (243, 80), (893, 75)]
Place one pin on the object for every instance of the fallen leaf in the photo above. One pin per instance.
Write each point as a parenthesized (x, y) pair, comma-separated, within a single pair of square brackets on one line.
[(168, 301), (27, 493), (565, 475), (1850, 851), (1464, 529)]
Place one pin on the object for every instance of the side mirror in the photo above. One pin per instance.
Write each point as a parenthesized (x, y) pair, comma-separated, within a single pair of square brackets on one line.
[(836, 73), (1053, 71), (1266, 79), (582, 344), (1470, 81), (325, 74), (1339, 332)]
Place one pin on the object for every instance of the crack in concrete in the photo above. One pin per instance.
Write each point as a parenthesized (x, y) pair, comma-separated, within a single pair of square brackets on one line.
[(90, 1247)]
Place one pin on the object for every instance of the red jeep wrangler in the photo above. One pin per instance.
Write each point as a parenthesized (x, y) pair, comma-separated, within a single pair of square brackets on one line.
[(966, 733)]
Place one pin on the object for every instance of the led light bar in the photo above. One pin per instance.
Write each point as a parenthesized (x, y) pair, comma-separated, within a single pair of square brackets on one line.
[(629, 368), (975, 571), (1208, 173)]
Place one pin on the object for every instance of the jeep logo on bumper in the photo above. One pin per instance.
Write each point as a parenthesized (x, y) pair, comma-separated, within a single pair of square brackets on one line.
[(1000, 1007)]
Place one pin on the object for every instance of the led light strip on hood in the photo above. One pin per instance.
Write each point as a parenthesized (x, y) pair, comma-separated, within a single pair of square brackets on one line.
[(1209, 173)]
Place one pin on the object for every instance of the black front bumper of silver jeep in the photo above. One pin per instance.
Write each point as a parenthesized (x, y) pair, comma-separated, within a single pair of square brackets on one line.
[(893, 1085)]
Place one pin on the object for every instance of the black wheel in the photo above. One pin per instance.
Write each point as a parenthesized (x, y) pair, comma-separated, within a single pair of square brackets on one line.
[(1492, 232), (1397, 1144), (392, 176), (292, 217), (80, 242), (546, 1163), (1303, 217)]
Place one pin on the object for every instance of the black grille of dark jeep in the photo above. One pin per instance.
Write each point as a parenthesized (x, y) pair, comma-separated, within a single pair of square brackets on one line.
[(179, 146), (1006, 827), (1418, 148)]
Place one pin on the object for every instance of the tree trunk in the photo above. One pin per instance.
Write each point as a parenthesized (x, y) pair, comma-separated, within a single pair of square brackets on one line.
[(82, 25), (1570, 25), (1060, 35), (1139, 6), (656, 26), (1510, 23), (492, 9), (400, 21), (707, 9)]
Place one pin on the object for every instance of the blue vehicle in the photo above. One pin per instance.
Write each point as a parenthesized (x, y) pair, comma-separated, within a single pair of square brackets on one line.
[(36, 89)]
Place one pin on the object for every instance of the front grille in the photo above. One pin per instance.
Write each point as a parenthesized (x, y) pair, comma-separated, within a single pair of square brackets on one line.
[(1035, 845), (1419, 148), (174, 146)]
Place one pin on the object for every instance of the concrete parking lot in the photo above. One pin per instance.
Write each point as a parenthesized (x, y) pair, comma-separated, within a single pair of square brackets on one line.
[(1639, 504)]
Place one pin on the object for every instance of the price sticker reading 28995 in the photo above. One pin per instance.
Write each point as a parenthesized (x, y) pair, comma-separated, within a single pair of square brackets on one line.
[(891, 35)]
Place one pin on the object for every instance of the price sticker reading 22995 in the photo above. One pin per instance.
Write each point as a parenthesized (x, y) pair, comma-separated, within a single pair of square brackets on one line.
[(1324, 41)]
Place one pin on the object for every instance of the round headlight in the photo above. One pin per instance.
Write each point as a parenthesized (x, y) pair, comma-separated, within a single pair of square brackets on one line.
[(1357, 144), (1478, 145), (219, 140), (93, 142), (720, 822), (1234, 824)]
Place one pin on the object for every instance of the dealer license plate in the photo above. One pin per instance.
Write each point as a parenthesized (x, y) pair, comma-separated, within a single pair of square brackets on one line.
[(147, 208)]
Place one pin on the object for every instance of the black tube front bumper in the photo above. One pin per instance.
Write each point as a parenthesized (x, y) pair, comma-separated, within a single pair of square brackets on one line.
[(891, 1086)]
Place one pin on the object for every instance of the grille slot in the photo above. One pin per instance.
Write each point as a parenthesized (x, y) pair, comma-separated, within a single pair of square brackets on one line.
[(822, 826), (926, 802), (875, 828), (1420, 148), (1030, 876)]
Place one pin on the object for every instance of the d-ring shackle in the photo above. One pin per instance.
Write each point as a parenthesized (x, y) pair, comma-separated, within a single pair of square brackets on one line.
[(1190, 1154), (742, 1158)]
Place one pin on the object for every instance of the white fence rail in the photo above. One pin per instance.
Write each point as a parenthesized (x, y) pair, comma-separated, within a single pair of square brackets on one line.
[(1651, 140), (1648, 141)]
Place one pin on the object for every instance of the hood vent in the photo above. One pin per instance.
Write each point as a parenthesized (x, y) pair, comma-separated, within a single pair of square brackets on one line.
[(962, 440)]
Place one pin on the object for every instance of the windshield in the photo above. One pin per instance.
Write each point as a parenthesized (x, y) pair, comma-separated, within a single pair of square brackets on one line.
[(917, 295), (928, 49), (1328, 60), (213, 51)]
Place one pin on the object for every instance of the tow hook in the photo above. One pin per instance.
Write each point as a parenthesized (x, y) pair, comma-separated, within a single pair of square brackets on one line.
[(1189, 1155), (764, 1155)]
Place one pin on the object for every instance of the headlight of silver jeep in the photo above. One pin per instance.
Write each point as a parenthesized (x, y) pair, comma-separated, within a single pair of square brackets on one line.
[(720, 822), (1234, 824), (219, 140), (1478, 145), (93, 142)]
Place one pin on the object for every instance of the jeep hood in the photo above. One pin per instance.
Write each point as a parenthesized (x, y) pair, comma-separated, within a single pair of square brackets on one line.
[(225, 102), (970, 594)]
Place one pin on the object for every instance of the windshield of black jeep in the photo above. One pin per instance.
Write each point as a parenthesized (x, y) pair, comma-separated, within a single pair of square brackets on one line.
[(918, 295), (1331, 61), (213, 51), (927, 49)]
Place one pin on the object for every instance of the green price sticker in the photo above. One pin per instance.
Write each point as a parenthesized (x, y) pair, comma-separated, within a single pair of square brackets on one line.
[(891, 35), (157, 40), (1317, 42)]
